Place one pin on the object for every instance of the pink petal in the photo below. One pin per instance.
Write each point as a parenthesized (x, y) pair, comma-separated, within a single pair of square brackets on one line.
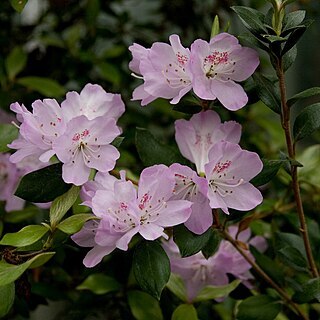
[(96, 254), (151, 231)]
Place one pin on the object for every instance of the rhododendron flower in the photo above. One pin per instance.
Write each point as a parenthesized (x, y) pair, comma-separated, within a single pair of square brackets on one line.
[(86, 145), (216, 66), (196, 137), (93, 101), (38, 129), (164, 69), (187, 188), (228, 172), (197, 272), (124, 212)]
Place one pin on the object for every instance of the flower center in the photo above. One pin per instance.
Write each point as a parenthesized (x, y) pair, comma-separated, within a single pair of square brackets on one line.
[(184, 187), (124, 218), (218, 63), (150, 210)]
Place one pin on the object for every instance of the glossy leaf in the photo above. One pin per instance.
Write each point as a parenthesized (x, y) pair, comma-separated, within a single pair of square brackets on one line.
[(216, 292), (62, 204), (304, 95), (309, 291), (251, 18), (259, 307), (74, 223), (18, 5), (8, 133), (21, 215), (185, 312), (10, 272), (293, 257), (289, 58), (7, 295), (15, 62), (153, 152), (176, 286), (26, 236), (268, 92), (212, 245), (292, 19), (188, 242), (45, 86), (143, 306), (269, 171), (99, 283), (151, 267), (307, 122), (43, 185)]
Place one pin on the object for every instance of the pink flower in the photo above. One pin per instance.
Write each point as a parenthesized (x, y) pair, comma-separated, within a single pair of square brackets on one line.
[(197, 272), (93, 101), (187, 188), (164, 69), (196, 137), (216, 66), (38, 129), (124, 212), (228, 172), (86, 145)]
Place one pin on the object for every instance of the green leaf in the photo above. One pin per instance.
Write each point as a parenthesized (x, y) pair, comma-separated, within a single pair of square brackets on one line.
[(177, 287), (45, 86), (15, 62), (99, 283), (143, 306), (251, 18), (151, 267), (289, 58), (269, 171), (291, 20), (215, 29), (309, 291), (10, 272), (212, 245), (259, 307), (304, 95), (18, 5), (109, 72), (43, 185), (249, 40), (62, 204), (8, 133), (185, 312), (26, 236), (284, 239), (7, 295), (188, 242), (268, 92), (74, 223), (215, 292), (153, 152), (307, 122), (21, 215), (293, 257)]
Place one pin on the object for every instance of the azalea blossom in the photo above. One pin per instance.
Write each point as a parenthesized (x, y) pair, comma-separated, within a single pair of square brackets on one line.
[(217, 66), (164, 69), (228, 173), (38, 129), (93, 101), (85, 145), (195, 137), (126, 211), (186, 187), (197, 272)]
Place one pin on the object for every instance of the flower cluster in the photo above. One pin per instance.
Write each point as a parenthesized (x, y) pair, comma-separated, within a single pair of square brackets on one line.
[(198, 272), (125, 211), (211, 69), (78, 132)]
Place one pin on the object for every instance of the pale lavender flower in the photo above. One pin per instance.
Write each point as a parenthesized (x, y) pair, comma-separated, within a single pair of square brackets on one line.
[(126, 211), (86, 145), (164, 69), (217, 66), (196, 136), (186, 187), (93, 101), (38, 129), (197, 272), (228, 172)]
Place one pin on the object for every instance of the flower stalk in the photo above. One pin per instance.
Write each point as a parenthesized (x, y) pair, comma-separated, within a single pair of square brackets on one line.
[(285, 122)]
